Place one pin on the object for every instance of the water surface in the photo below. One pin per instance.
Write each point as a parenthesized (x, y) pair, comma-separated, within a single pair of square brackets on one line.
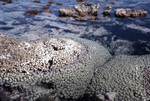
[(120, 36)]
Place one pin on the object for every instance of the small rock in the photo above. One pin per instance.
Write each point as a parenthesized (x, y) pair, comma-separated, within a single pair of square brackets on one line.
[(130, 13), (79, 1), (59, 4), (36, 1), (33, 12), (87, 4), (51, 2), (68, 12)]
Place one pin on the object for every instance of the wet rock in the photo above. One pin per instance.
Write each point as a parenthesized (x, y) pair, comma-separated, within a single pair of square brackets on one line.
[(112, 3), (81, 18), (32, 12), (37, 1), (94, 9), (130, 13), (142, 13), (107, 12), (8, 1), (81, 9), (47, 11), (87, 4), (46, 7), (51, 2), (79, 1), (59, 4), (68, 12), (82, 13)]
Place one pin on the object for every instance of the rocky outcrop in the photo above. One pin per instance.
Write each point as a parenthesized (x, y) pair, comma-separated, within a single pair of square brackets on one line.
[(66, 12), (130, 13), (62, 64), (82, 14)]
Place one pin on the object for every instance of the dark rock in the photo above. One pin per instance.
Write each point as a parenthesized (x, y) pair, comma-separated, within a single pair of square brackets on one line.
[(106, 12), (59, 4), (87, 4), (8, 1), (46, 7), (79, 1), (51, 2), (112, 3), (36, 1), (33, 12)]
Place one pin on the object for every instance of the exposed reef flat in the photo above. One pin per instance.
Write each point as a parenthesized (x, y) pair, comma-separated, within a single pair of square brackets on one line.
[(30, 56), (71, 82)]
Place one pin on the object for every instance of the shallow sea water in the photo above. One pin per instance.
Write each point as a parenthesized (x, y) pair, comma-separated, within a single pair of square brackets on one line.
[(130, 36)]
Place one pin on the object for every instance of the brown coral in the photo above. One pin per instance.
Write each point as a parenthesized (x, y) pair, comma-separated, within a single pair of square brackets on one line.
[(24, 56)]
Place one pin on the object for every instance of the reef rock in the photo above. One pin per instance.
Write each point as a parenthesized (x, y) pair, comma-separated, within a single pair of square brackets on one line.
[(81, 9), (79, 1), (130, 13), (94, 10), (107, 12), (68, 12), (125, 75), (64, 65)]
